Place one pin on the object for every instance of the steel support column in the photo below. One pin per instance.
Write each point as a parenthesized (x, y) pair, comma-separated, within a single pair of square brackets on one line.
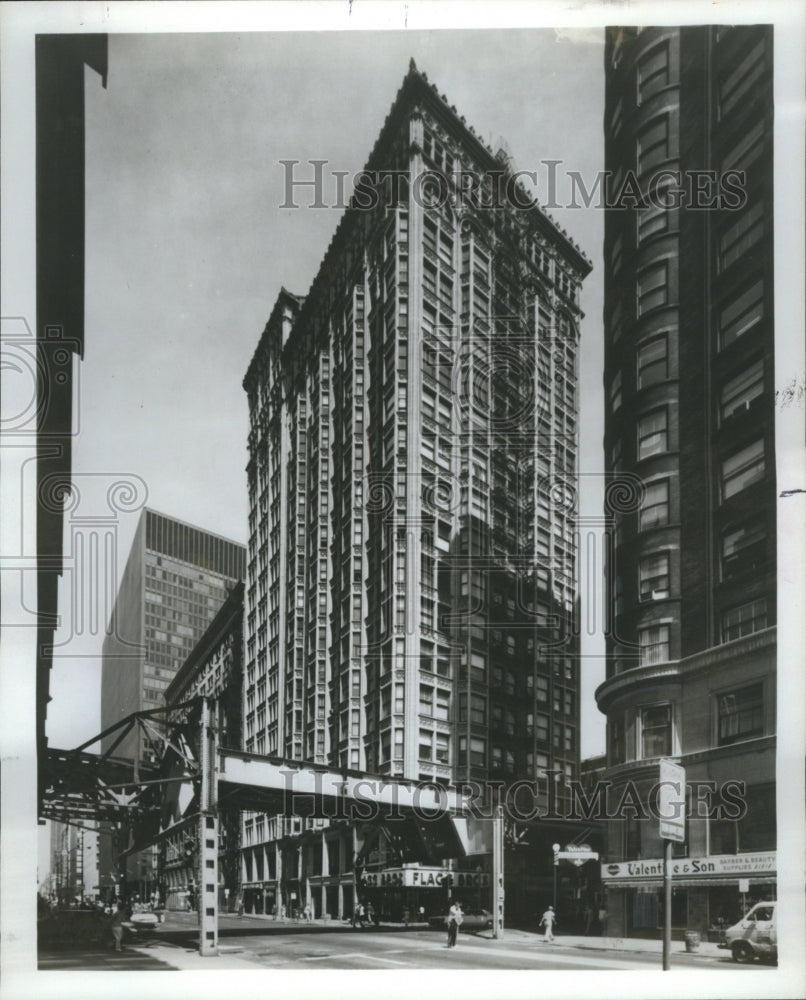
[(208, 837)]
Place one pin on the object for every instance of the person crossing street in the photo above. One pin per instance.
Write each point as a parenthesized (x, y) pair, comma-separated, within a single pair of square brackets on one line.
[(547, 921), (455, 917)]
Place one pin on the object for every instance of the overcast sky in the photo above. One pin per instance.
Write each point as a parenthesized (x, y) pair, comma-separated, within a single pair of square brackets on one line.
[(187, 247)]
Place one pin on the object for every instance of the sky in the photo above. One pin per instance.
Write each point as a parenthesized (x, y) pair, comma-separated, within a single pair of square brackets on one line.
[(187, 248)]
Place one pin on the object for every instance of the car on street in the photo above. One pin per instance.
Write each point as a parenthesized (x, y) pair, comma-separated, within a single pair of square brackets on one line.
[(472, 920), (755, 936), (142, 923)]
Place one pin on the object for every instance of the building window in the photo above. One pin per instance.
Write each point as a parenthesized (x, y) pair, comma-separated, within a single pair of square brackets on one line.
[(442, 705), (656, 731), (652, 362), (426, 744), (741, 235), (740, 714), (652, 290), (652, 434), (615, 392), (615, 254), (743, 550), (653, 645), (742, 469), (618, 746), (653, 576), (478, 710), (651, 221), (616, 321), (742, 79), (744, 619), (757, 829), (616, 117), (653, 72), (741, 315), (478, 752), (655, 508), (652, 147), (739, 392), (749, 147)]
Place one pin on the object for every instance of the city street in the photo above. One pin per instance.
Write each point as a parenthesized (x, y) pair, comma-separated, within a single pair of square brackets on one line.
[(246, 942)]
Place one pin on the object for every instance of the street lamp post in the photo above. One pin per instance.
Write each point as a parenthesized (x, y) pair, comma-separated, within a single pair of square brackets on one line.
[(556, 849)]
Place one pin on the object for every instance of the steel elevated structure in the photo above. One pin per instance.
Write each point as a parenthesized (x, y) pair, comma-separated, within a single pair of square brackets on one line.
[(79, 785)]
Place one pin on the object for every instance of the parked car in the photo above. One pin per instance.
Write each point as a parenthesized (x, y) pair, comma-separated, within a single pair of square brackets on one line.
[(472, 920), (754, 936)]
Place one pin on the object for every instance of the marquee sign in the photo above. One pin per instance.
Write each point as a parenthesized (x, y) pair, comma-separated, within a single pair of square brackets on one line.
[(717, 865), (425, 878)]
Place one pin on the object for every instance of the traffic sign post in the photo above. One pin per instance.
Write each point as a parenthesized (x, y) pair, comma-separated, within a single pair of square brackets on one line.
[(672, 813), (744, 888), (498, 872)]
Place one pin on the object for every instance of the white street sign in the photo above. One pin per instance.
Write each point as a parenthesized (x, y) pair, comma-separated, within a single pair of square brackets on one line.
[(672, 801)]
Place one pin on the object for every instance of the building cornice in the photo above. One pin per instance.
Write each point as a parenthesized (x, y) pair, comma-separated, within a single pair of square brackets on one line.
[(644, 769), (674, 670), (637, 677)]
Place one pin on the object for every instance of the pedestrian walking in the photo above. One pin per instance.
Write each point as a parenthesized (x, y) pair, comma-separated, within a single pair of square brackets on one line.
[(588, 918), (547, 921), (117, 925), (455, 918)]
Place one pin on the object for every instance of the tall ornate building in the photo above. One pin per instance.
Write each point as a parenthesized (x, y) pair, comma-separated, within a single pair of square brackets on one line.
[(689, 397), (411, 579)]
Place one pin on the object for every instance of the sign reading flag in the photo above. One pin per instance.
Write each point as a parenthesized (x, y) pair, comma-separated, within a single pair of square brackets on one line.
[(672, 801)]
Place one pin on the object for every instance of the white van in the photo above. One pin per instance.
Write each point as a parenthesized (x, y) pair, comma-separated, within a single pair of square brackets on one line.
[(755, 936)]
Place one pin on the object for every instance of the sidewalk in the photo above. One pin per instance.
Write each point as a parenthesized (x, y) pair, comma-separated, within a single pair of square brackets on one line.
[(707, 949)]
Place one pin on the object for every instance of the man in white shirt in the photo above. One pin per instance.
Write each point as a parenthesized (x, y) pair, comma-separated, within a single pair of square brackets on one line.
[(455, 918), (547, 921)]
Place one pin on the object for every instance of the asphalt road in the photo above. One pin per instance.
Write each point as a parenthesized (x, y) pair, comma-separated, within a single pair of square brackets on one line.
[(265, 944), (427, 950)]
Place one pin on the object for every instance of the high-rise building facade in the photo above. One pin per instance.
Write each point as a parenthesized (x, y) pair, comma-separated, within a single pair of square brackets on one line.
[(689, 397), (411, 580), (73, 864), (176, 579)]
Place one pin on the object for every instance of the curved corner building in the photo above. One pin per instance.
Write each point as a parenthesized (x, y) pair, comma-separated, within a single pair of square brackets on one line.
[(689, 399)]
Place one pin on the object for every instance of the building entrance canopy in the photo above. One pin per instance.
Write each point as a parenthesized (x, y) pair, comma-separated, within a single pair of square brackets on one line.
[(426, 878)]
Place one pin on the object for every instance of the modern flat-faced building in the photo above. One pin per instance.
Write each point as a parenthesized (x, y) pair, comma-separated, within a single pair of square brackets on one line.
[(176, 579), (689, 398), (411, 580)]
